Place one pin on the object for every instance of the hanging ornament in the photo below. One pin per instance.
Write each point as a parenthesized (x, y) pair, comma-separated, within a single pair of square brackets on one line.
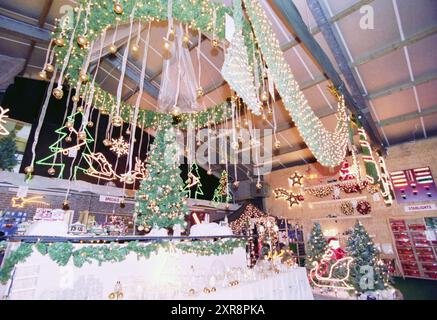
[(58, 93), (42, 74), (236, 184), (28, 170), (68, 139), (90, 124), (51, 171), (79, 109), (235, 145), (288, 195), (49, 67), (277, 144), (363, 207), (117, 121), (135, 47), (296, 179), (65, 205), (81, 135), (112, 49), (69, 124), (83, 76), (119, 146), (167, 44), (264, 96), (209, 172), (118, 8), (259, 186), (82, 40), (200, 92), (176, 111), (75, 99), (60, 42), (214, 43), (186, 39), (129, 179)]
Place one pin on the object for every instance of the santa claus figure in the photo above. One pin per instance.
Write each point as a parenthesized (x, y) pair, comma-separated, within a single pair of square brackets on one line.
[(334, 244), (345, 173)]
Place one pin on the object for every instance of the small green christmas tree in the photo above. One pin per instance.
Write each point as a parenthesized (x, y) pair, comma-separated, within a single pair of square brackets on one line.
[(193, 181), (366, 262), (316, 246), (161, 199), (222, 193), (8, 149)]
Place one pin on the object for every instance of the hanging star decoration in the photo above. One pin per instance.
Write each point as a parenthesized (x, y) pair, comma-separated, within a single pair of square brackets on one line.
[(120, 147), (21, 202), (292, 198), (3, 116), (296, 180)]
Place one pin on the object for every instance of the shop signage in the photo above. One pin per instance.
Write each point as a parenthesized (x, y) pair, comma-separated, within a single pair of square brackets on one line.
[(111, 199), (420, 207)]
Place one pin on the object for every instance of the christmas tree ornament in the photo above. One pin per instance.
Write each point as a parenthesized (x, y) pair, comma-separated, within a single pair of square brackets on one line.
[(112, 49), (58, 93), (214, 43), (167, 44), (68, 139), (117, 121), (209, 172), (296, 180), (118, 8), (259, 185), (51, 171), (83, 76), (82, 135), (42, 74), (135, 48), (129, 179), (75, 99), (65, 205), (176, 111), (277, 144), (119, 146), (80, 109), (82, 40), (60, 42), (236, 184), (264, 96), (49, 67), (235, 145), (90, 124), (28, 170), (193, 181), (186, 39), (347, 208)]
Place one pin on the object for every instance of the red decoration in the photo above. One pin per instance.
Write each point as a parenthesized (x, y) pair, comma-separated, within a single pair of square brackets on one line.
[(345, 173), (363, 207)]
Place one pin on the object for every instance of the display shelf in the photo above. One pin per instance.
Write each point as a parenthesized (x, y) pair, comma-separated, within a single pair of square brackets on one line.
[(337, 200), (343, 218)]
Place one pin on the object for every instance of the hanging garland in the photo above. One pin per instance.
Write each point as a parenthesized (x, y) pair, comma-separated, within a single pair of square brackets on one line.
[(62, 252), (346, 187), (363, 207)]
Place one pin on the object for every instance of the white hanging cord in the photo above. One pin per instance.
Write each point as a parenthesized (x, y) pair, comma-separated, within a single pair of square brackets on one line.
[(199, 64), (178, 86), (42, 116), (123, 67), (140, 94), (115, 33), (88, 10), (63, 121), (67, 56), (48, 53), (141, 139)]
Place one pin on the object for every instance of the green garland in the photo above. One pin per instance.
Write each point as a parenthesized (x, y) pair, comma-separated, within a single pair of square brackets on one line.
[(62, 252)]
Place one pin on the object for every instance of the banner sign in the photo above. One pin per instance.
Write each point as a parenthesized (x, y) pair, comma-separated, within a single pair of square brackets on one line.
[(420, 207)]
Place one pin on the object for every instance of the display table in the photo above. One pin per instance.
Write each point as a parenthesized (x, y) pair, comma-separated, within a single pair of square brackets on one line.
[(290, 285)]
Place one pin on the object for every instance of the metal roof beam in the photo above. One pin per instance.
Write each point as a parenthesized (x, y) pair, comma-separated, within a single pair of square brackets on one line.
[(407, 116), (24, 29)]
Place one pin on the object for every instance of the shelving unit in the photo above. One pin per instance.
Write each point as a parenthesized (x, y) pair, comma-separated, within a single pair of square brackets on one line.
[(416, 254)]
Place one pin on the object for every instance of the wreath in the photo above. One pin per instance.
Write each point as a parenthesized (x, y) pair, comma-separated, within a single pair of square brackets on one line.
[(347, 208), (363, 207)]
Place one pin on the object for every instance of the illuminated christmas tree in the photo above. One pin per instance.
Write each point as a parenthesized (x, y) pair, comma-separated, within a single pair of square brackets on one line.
[(193, 181), (316, 246), (161, 199), (222, 193), (368, 272)]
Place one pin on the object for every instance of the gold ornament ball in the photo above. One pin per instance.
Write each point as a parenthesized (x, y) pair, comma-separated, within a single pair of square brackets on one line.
[(227, 206), (214, 43), (42, 74), (28, 170), (135, 48), (236, 184), (83, 76), (264, 96), (118, 8), (140, 228), (107, 142), (185, 39), (75, 98), (51, 171), (112, 49), (200, 92), (259, 186), (129, 179), (68, 139), (58, 93), (277, 144), (167, 44), (175, 111), (235, 145), (79, 109), (60, 42), (81, 135), (69, 124), (209, 172), (90, 124), (49, 67), (82, 40), (117, 121)]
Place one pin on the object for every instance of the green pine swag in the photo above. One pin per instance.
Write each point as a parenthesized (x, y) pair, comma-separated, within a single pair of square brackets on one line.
[(62, 252)]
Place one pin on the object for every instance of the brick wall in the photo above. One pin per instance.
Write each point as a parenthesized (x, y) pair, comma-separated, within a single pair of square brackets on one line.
[(400, 157)]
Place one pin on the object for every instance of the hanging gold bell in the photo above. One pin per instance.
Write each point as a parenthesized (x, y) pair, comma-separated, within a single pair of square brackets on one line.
[(28, 170), (185, 39), (90, 124), (75, 98), (117, 121), (112, 49), (51, 171), (200, 92), (175, 111), (69, 124), (49, 67), (81, 135), (79, 109), (107, 142), (135, 48), (209, 172), (264, 96), (42, 74), (214, 43), (68, 139), (83, 76), (58, 93), (277, 144), (82, 40), (129, 179), (118, 8)]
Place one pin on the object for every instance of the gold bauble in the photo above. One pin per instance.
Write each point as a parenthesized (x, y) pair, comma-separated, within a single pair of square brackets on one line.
[(107, 142), (69, 124), (167, 44), (75, 98), (185, 39), (213, 289), (58, 93), (175, 111), (81, 135), (65, 205), (135, 48), (90, 124), (259, 186), (214, 43), (277, 144), (42, 74), (68, 139), (83, 76), (79, 109), (209, 172), (118, 8), (51, 171), (28, 170), (117, 121), (49, 67), (129, 179), (60, 42), (82, 40), (140, 228), (236, 184), (264, 96), (235, 145), (200, 92), (227, 206), (112, 49)]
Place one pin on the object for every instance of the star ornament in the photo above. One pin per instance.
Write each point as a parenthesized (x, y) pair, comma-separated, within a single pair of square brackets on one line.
[(119, 146), (296, 179), (3, 116)]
